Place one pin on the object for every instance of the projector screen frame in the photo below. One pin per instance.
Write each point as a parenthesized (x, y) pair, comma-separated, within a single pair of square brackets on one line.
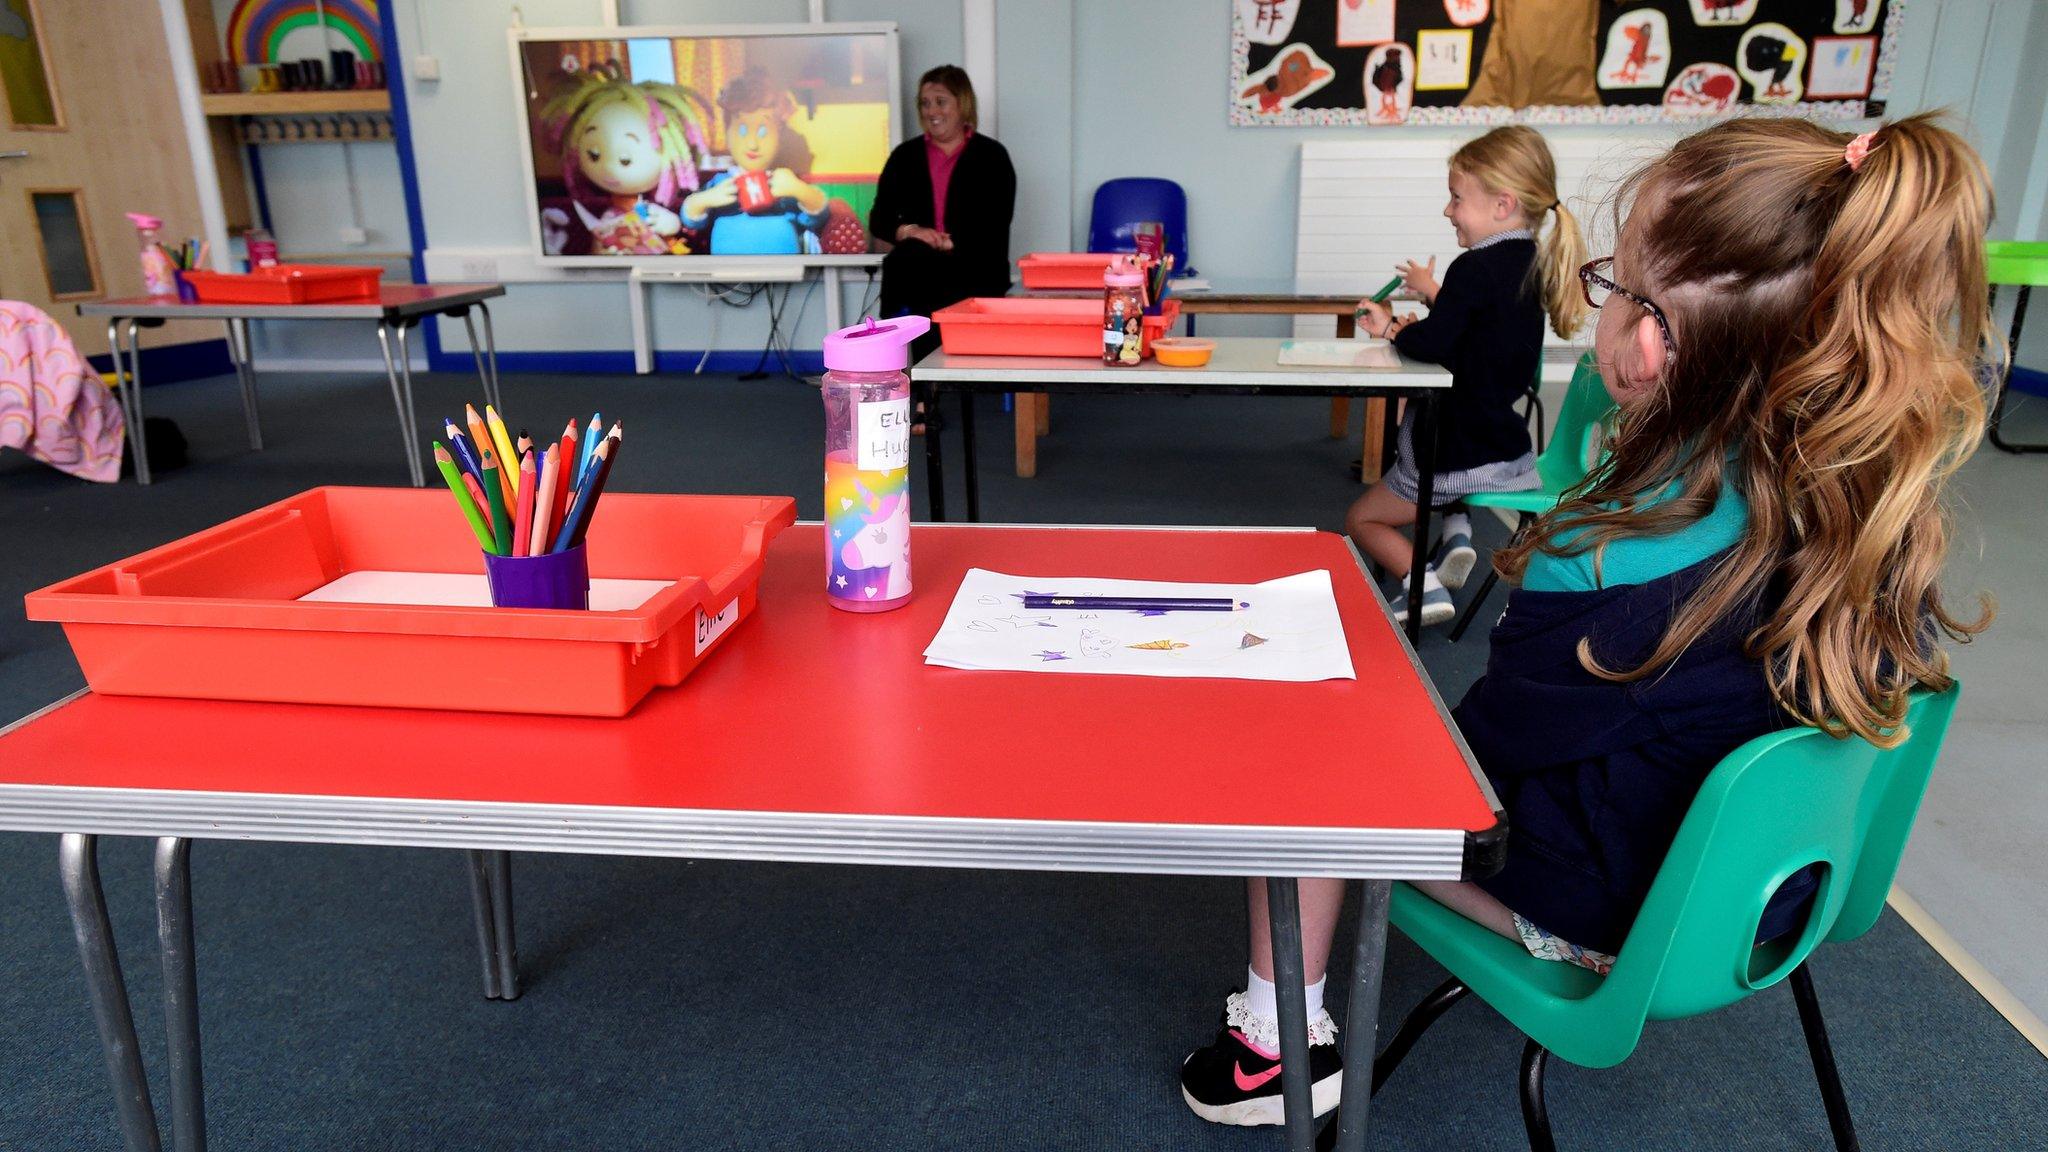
[(516, 37)]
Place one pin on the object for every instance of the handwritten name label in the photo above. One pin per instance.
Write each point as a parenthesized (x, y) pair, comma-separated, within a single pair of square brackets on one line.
[(710, 628), (882, 440)]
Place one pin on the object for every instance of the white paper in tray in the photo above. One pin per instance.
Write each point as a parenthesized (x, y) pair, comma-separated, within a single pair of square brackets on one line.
[(460, 590)]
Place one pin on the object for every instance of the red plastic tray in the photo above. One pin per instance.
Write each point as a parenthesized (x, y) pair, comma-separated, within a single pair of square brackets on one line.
[(287, 284), (1035, 326), (1052, 270), (217, 615)]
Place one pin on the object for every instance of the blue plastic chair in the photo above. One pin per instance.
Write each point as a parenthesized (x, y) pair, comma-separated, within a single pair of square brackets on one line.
[(1131, 200)]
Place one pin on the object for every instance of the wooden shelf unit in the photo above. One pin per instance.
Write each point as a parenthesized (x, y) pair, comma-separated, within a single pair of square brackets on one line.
[(295, 103)]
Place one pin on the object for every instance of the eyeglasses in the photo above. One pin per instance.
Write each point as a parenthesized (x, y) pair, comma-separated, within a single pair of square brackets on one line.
[(1598, 289)]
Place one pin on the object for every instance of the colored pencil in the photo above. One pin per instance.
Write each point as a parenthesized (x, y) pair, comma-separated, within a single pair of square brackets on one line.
[(544, 501), (465, 455), (1136, 603), (494, 488), (578, 520), (524, 444), (600, 474), (591, 435), (476, 493), (446, 464), (502, 441), (565, 477), (522, 520), (480, 436)]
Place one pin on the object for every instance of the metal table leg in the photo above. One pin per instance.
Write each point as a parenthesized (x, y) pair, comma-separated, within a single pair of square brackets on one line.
[(399, 372), (485, 372), (1425, 467), (245, 371), (1283, 912), (2019, 315), (934, 467), (78, 865), (967, 457), (504, 942), (497, 398), (128, 376), (486, 920), (1361, 1026), (181, 992)]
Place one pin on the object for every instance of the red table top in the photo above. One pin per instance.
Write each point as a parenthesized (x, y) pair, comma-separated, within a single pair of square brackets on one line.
[(813, 710), (404, 298)]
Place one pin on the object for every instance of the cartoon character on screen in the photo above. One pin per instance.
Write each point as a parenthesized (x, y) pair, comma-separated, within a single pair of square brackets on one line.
[(875, 528), (629, 153), (760, 206)]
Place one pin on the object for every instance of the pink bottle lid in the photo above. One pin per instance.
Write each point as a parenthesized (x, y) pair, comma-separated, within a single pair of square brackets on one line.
[(144, 222), (1123, 272), (874, 346)]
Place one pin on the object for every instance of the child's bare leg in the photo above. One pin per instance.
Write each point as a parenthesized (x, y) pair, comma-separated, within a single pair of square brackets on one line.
[(1372, 522), (1472, 902), (1320, 901)]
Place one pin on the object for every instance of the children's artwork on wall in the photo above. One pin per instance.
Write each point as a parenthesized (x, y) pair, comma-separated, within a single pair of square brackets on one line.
[(1364, 22), (1484, 62), (1772, 58), (1702, 90), (1268, 21), (1724, 13), (1638, 50), (1841, 66), (1295, 74), (272, 31), (1443, 59), (1389, 83), (663, 144), (1466, 13)]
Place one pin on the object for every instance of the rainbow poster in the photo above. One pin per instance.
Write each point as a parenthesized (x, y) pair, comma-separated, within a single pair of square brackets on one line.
[(258, 28)]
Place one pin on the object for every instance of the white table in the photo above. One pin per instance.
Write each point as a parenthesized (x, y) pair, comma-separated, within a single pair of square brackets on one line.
[(1241, 366)]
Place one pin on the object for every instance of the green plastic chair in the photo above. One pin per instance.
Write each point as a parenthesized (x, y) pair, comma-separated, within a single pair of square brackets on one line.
[(2022, 264), (1564, 461), (1772, 807)]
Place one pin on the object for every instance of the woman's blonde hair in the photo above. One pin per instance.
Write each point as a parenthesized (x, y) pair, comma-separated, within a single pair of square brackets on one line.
[(1828, 325), (953, 78), (1515, 160)]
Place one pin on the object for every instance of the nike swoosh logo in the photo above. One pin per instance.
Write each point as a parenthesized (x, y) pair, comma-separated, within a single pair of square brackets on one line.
[(1249, 1083)]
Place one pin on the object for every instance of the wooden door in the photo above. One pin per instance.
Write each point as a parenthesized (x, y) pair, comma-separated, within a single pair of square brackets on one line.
[(89, 130)]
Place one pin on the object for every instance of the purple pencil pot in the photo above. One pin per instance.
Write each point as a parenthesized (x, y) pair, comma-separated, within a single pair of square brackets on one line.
[(556, 580)]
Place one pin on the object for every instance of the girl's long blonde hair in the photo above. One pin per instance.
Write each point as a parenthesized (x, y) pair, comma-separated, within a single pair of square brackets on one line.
[(675, 122), (1515, 160), (1828, 323)]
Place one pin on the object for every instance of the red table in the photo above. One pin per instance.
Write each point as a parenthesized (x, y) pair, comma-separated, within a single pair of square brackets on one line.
[(819, 736)]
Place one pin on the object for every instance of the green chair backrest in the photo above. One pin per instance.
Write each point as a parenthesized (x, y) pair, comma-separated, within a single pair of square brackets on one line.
[(1771, 807), (1565, 459), (2016, 262)]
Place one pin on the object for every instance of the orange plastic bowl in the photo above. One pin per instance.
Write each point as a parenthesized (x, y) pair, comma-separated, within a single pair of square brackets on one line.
[(1182, 351)]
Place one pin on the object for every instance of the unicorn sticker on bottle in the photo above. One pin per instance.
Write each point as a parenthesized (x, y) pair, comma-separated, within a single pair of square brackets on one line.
[(867, 464)]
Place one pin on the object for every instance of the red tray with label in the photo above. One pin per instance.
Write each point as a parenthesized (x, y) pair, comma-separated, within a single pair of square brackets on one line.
[(370, 596), (1036, 326), (287, 284)]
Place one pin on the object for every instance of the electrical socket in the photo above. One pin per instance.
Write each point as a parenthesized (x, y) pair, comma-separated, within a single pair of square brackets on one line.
[(425, 67), (354, 236), (479, 268)]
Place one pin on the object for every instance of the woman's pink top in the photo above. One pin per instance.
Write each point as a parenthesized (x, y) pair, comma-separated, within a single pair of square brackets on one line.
[(942, 174)]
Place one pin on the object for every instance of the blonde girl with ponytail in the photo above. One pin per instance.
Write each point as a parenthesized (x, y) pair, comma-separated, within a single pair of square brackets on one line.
[(1485, 323)]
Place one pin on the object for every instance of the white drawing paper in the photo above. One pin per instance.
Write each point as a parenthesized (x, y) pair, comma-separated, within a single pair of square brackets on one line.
[(1772, 58), (463, 590), (1267, 21), (1389, 84), (1703, 89), (1724, 13), (1841, 67), (1363, 22), (1638, 50), (1354, 353), (1295, 73), (1289, 630), (1466, 13), (1443, 59), (1856, 15)]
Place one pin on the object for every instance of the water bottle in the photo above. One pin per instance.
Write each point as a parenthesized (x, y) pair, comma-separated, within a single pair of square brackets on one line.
[(1123, 311), (867, 464)]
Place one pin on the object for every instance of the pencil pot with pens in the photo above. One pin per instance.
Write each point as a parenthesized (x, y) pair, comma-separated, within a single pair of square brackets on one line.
[(530, 518), (867, 464)]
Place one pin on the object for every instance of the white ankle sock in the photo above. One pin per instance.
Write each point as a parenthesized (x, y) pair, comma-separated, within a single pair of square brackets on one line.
[(1430, 583), (1263, 999), (1457, 524)]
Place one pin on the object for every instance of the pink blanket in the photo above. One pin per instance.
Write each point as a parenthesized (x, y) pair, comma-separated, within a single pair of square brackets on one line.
[(52, 404)]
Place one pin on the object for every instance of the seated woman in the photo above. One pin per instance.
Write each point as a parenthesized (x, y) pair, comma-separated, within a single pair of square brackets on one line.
[(944, 199)]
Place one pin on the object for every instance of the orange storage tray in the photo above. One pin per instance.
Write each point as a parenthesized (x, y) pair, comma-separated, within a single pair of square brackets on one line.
[(1035, 326), (287, 284), (1054, 270), (217, 615)]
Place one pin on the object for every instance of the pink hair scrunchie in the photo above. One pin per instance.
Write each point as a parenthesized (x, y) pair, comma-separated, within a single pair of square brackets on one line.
[(1859, 150)]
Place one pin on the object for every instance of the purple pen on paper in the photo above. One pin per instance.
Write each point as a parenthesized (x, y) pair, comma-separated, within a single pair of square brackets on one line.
[(1144, 604)]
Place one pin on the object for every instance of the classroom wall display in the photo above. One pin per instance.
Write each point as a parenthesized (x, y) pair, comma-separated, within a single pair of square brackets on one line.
[(273, 31), (1479, 62), (661, 145)]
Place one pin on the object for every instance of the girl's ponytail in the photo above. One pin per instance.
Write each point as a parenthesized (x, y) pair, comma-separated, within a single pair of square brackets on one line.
[(1557, 271)]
